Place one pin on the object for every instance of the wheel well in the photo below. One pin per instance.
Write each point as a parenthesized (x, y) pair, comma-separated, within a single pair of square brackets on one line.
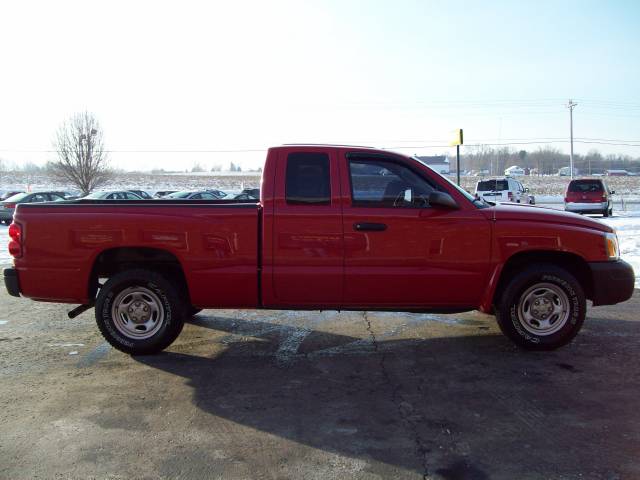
[(115, 260), (574, 264)]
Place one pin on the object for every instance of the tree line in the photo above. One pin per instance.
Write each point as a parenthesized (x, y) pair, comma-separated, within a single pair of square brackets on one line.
[(543, 161)]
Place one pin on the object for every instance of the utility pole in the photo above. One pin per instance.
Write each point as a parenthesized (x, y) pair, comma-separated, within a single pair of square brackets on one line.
[(571, 106), (458, 162)]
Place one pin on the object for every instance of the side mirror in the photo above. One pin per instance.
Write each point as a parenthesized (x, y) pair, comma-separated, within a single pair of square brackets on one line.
[(442, 199), (612, 192)]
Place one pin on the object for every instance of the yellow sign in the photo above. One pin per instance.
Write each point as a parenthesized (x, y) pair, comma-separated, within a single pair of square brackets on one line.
[(457, 137)]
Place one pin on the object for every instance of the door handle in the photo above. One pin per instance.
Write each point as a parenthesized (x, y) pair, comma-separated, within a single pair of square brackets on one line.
[(370, 227)]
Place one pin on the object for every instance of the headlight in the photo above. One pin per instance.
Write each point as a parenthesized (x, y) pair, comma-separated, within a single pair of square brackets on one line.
[(611, 246)]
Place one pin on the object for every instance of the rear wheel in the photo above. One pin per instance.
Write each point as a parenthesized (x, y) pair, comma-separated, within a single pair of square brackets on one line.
[(541, 308), (139, 312), (606, 212)]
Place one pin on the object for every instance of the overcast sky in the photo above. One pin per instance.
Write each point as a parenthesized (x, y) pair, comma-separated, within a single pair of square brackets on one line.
[(239, 76)]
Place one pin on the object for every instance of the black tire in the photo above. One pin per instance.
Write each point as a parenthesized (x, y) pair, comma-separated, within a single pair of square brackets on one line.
[(191, 311), (519, 319), (605, 213), (148, 295)]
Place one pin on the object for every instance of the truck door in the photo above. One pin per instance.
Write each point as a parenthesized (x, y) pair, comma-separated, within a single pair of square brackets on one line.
[(400, 252), (307, 234)]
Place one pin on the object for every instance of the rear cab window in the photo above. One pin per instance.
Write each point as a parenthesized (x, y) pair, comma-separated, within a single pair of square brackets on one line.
[(307, 180)]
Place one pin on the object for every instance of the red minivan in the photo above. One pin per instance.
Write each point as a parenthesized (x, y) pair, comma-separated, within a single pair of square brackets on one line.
[(589, 195)]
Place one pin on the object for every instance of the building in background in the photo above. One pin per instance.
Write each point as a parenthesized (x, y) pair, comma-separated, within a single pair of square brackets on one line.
[(439, 163)]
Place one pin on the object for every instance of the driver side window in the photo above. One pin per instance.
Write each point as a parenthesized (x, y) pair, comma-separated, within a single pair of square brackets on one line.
[(383, 183)]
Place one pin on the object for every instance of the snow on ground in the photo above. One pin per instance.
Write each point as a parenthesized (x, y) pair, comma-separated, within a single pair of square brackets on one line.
[(626, 223), (5, 258)]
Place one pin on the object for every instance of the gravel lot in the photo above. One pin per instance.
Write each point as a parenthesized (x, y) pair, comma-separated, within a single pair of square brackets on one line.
[(262, 394)]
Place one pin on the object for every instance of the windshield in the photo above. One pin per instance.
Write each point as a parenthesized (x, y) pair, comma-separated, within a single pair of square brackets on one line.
[(179, 195), (477, 202), (95, 195)]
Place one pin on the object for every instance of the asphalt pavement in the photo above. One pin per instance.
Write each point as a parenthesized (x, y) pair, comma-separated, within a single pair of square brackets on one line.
[(318, 395)]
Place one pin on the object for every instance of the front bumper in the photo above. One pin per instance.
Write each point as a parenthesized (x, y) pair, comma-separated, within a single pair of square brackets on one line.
[(11, 281), (613, 282)]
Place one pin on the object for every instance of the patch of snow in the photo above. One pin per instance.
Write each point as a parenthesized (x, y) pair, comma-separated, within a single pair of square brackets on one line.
[(627, 226), (3, 322), (5, 258)]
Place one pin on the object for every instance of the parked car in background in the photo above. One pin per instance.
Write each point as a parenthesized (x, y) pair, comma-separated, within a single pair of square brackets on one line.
[(9, 205), (163, 193), (514, 171), (589, 195), (245, 197), (113, 195), (218, 193), (67, 195), (192, 195), (504, 189), (616, 173), (10, 193), (566, 171), (248, 194), (142, 194)]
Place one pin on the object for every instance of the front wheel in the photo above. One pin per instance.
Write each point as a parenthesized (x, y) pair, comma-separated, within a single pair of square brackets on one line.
[(541, 308), (139, 312)]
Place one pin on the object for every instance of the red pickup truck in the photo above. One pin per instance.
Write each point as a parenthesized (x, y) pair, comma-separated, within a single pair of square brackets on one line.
[(336, 227)]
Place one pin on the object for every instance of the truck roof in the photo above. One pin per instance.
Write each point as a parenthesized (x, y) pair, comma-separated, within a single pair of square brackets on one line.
[(328, 145)]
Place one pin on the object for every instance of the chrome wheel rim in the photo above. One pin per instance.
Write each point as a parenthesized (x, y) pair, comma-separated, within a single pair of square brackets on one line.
[(543, 309), (137, 313)]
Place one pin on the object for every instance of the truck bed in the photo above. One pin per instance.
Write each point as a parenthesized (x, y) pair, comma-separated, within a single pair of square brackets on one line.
[(215, 242)]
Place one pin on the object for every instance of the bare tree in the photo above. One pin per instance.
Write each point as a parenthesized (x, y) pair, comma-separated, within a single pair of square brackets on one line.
[(82, 159)]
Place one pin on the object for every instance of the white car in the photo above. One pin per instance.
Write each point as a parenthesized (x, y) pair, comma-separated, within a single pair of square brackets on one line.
[(504, 189)]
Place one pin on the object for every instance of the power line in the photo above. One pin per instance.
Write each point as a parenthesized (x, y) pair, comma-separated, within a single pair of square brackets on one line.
[(423, 144)]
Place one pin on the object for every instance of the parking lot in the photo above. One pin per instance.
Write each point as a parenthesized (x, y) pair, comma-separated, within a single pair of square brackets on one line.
[(263, 394)]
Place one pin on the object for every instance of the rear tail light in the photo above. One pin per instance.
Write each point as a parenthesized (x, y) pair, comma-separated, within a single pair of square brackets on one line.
[(15, 240), (9, 205), (604, 196)]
